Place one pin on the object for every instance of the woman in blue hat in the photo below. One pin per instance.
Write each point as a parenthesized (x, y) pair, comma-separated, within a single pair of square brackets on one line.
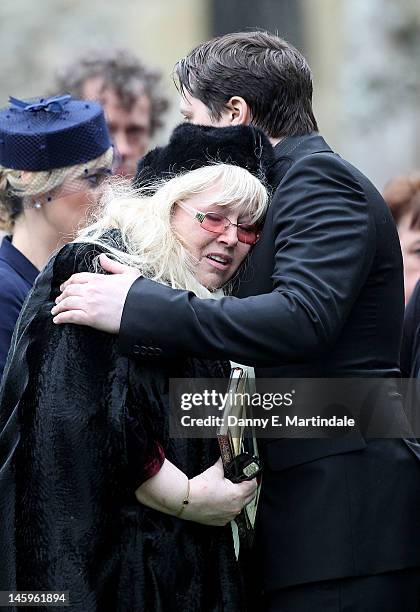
[(53, 154)]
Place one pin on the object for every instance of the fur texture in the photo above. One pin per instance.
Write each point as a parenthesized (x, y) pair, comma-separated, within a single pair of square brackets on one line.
[(193, 146), (69, 518)]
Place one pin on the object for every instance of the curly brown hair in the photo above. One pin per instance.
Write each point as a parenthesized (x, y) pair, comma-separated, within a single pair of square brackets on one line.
[(121, 71)]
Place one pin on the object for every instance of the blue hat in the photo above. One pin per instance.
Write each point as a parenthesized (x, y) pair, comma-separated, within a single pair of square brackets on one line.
[(51, 133)]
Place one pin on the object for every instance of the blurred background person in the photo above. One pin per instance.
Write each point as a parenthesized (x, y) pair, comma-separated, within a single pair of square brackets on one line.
[(53, 155), (402, 195), (129, 93)]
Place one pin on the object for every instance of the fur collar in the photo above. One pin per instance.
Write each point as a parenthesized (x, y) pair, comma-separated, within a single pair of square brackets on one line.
[(193, 146)]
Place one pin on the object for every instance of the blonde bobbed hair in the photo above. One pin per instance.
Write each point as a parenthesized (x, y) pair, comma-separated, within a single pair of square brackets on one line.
[(18, 187), (144, 220)]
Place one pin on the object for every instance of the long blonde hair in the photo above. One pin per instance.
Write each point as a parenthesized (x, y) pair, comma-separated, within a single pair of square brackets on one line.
[(144, 221)]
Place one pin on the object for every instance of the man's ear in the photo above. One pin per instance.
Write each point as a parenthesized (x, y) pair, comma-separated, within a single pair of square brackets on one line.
[(238, 111)]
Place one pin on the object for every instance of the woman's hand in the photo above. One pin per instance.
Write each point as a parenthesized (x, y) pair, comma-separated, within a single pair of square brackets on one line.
[(215, 500)]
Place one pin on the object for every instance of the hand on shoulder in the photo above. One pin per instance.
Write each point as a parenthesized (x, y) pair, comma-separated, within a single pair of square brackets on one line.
[(96, 300)]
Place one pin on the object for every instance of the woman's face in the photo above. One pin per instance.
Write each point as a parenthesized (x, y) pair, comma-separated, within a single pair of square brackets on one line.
[(410, 247), (218, 256), (68, 209)]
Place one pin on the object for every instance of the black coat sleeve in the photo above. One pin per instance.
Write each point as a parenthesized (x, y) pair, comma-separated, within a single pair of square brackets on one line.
[(67, 466), (323, 251)]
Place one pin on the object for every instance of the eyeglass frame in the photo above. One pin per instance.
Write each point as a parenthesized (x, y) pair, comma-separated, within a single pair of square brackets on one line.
[(200, 216)]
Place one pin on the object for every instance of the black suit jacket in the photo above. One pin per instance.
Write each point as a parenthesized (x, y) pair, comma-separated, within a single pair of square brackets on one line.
[(322, 296)]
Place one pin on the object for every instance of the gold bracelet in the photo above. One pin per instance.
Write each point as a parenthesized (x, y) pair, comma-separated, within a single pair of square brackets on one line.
[(186, 499)]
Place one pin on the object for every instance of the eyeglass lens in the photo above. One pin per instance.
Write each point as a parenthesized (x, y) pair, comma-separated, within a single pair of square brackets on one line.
[(213, 222)]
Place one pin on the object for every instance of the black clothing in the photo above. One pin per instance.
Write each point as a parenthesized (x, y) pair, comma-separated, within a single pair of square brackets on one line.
[(194, 146), (382, 593), (410, 365), (17, 275), (410, 348), (70, 520), (326, 287), (328, 262)]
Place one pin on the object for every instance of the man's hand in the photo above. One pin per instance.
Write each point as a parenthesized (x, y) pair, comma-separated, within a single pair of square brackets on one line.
[(96, 300)]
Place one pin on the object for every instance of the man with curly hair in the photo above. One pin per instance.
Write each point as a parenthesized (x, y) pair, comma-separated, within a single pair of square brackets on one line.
[(129, 93)]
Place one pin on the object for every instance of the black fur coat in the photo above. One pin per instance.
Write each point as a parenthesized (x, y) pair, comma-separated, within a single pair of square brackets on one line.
[(69, 518)]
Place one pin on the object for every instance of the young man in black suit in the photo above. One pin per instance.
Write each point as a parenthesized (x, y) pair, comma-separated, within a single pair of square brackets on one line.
[(338, 527)]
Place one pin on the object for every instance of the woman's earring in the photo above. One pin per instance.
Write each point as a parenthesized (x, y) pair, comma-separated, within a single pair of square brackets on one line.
[(38, 205)]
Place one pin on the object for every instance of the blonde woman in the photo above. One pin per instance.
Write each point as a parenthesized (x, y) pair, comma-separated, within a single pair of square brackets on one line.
[(105, 504), (53, 154)]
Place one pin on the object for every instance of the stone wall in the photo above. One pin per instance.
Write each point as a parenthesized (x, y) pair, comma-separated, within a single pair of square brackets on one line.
[(364, 54), (36, 37)]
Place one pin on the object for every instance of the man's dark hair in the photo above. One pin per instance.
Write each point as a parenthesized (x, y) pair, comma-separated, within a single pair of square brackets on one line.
[(120, 71), (270, 74)]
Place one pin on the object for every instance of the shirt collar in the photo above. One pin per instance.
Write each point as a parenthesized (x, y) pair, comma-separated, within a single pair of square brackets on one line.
[(18, 261)]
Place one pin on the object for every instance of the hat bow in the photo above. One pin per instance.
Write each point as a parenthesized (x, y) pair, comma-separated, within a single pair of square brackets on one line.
[(54, 104)]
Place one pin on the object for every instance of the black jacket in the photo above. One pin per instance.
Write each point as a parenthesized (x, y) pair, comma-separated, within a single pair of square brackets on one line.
[(70, 461), (322, 296), (410, 347)]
